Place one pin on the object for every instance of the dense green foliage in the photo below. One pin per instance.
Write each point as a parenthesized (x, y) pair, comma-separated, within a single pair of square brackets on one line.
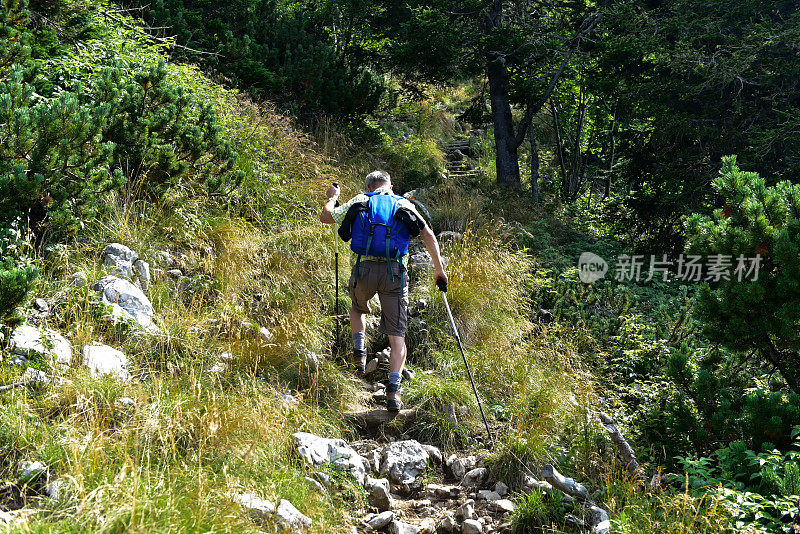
[(277, 49)]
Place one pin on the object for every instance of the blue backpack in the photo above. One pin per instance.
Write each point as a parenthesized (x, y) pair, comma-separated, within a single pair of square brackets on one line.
[(377, 232)]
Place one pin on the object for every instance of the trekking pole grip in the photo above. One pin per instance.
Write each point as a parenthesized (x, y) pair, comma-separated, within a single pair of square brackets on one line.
[(442, 285), (336, 185)]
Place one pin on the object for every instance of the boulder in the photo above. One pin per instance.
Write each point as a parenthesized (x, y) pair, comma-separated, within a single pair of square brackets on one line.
[(317, 450), (104, 360), (290, 518), (381, 520), (29, 342), (403, 461), (127, 301)]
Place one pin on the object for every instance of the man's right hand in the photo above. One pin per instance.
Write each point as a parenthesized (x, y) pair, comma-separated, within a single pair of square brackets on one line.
[(332, 192)]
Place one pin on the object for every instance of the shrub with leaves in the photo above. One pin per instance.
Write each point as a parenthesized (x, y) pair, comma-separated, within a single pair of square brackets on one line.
[(762, 222)]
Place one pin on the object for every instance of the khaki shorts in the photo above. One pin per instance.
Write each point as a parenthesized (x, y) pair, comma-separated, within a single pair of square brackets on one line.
[(373, 277)]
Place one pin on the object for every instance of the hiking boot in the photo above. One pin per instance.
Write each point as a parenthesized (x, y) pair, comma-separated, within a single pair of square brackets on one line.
[(359, 361), (393, 402)]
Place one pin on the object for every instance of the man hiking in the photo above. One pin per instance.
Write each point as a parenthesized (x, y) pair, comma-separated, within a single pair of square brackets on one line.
[(379, 225)]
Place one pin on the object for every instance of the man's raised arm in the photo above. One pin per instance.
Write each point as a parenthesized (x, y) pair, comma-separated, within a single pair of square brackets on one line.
[(333, 195)]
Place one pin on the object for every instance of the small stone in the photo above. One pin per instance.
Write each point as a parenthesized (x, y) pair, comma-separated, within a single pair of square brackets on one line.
[(19, 360), (175, 274), (381, 520), (290, 518), (435, 491), (408, 374), (126, 300), (471, 526), (399, 527), (447, 525), (126, 402), (488, 495), (372, 366), (323, 478), (163, 257), (264, 334), (475, 477), (255, 505), (433, 452), (466, 510), (28, 471), (501, 488), (502, 505), (78, 280), (36, 376), (404, 461), (428, 525), (142, 269), (379, 497), (59, 489), (288, 399), (460, 466), (41, 305)]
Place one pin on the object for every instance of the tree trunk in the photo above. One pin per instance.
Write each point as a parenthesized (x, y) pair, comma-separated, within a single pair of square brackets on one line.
[(505, 141), (534, 164)]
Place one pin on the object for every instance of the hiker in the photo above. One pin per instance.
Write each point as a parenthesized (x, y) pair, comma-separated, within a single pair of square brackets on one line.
[(380, 265)]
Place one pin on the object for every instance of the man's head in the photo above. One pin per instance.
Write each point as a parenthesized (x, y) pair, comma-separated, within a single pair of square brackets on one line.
[(377, 179)]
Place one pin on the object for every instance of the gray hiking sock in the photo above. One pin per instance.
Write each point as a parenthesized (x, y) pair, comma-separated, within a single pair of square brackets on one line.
[(394, 378), (358, 341)]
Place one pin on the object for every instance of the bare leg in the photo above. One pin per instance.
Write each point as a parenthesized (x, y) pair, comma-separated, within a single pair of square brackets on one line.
[(397, 358)]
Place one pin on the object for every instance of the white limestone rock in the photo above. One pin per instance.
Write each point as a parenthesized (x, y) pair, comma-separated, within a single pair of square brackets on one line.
[(30, 342), (104, 360)]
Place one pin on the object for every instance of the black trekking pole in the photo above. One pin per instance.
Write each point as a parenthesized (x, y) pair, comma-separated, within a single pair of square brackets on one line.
[(442, 285), (336, 255)]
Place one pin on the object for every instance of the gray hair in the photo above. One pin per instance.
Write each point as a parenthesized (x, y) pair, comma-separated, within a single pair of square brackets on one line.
[(377, 178)]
